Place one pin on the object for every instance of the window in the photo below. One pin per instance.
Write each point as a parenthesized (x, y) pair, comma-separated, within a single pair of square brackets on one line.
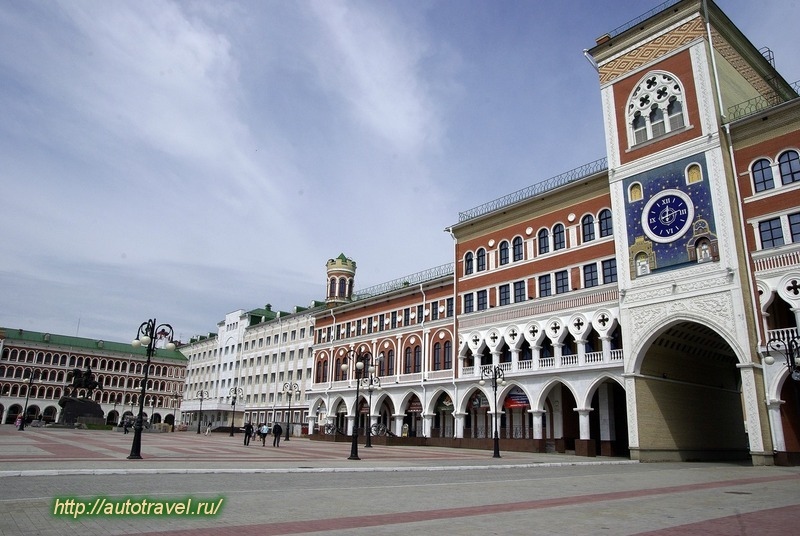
[(448, 355), (519, 291), (610, 271), (435, 311), (587, 228), (562, 282), (505, 294), (794, 226), (480, 257), (417, 359), (518, 253), (449, 307), (544, 286), (390, 362), (503, 252), (590, 275), (655, 108), (559, 238), (790, 167), (468, 264), (639, 127), (771, 233), (332, 290), (482, 302), (657, 125), (407, 363), (606, 227), (437, 356), (544, 241), (694, 174), (468, 303), (342, 287), (675, 113), (406, 316), (635, 192), (762, 175), (393, 321)]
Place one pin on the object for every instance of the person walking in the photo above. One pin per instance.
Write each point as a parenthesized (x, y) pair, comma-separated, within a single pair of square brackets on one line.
[(248, 433), (276, 434), (264, 434)]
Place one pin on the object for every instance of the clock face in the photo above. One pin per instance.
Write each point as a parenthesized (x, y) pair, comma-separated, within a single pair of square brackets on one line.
[(667, 216)]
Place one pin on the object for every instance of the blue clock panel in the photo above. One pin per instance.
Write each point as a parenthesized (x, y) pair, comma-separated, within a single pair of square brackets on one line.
[(670, 217)]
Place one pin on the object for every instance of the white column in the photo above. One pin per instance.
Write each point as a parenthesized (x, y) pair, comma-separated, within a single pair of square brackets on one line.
[(583, 419), (774, 410), (459, 424), (538, 429)]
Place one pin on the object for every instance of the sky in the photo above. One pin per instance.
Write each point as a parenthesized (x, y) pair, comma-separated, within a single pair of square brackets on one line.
[(184, 160)]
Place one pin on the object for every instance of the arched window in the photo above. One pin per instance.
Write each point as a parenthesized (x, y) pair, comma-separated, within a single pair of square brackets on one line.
[(655, 108), (762, 175), (518, 252), (342, 287), (407, 362), (559, 237), (694, 174), (417, 359), (790, 167), (587, 228), (503, 252), (390, 362), (338, 373), (480, 257), (448, 355), (468, 263), (437, 356), (332, 289), (544, 241), (606, 227)]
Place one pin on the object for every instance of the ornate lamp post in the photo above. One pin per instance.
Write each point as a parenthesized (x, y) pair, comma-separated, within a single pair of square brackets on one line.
[(290, 389), (362, 359), (176, 395), (371, 383), (787, 345), (234, 393), (117, 400), (149, 333), (31, 374), (497, 376), (202, 395)]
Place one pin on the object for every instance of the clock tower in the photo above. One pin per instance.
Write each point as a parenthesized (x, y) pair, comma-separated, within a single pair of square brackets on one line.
[(686, 299)]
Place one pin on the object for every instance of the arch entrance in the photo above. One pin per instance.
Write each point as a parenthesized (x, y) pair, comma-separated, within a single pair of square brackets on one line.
[(688, 398)]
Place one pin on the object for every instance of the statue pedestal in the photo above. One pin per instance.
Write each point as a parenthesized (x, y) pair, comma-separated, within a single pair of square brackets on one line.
[(83, 408)]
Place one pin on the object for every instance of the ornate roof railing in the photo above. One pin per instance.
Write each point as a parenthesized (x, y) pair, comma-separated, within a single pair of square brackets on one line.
[(553, 182), (402, 282), (641, 18), (757, 104)]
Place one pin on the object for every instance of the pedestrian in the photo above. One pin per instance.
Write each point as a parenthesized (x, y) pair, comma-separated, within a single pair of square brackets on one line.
[(208, 428), (276, 434), (18, 422), (126, 426), (248, 433), (264, 433)]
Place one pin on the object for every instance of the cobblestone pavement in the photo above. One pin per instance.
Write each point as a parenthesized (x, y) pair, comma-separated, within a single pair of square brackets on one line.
[(310, 487)]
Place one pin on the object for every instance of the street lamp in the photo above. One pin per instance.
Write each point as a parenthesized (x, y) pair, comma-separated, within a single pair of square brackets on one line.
[(495, 373), (360, 360), (117, 400), (202, 395), (372, 383), (176, 395), (290, 389), (149, 333), (234, 393), (788, 346), (31, 374)]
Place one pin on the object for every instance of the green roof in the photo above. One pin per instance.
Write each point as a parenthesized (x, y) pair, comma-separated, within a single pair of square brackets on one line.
[(107, 347)]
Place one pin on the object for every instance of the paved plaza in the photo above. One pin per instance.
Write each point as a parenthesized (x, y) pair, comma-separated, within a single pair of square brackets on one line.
[(310, 487)]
